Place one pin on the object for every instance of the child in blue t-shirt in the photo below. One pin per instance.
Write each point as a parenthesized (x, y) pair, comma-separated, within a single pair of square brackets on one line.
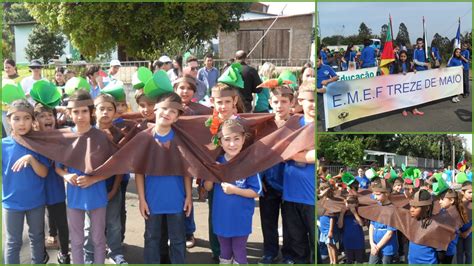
[(165, 197), (85, 194), (351, 225), (454, 61), (23, 188), (234, 203), (299, 188), (464, 247), (55, 191), (421, 209), (419, 56), (382, 238)]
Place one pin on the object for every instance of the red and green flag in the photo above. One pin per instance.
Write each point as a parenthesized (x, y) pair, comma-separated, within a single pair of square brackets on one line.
[(461, 166), (387, 54)]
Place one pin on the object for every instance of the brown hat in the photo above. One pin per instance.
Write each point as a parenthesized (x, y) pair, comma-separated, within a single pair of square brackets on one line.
[(20, 105), (417, 202), (381, 186), (281, 90), (190, 80), (230, 126), (105, 98), (40, 108)]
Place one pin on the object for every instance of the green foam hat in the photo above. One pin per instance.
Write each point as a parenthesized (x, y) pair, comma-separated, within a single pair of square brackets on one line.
[(440, 185), (288, 75), (461, 177), (46, 93), (411, 173), (11, 91), (140, 78), (348, 178), (232, 76), (158, 85), (76, 83), (371, 174), (328, 176), (116, 90)]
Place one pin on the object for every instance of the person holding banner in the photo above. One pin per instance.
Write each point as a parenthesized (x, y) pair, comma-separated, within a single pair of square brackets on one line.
[(456, 60), (419, 56), (466, 57), (368, 56), (326, 75)]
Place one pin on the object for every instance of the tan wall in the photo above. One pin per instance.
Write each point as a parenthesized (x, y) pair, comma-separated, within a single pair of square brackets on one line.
[(300, 35)]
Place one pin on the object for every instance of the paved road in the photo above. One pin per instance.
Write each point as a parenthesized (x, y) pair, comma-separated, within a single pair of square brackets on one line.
[(133, 247), (440, 116)]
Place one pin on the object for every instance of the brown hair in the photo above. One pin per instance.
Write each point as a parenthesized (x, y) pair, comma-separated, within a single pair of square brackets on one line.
[(458, 203), (81, 95)]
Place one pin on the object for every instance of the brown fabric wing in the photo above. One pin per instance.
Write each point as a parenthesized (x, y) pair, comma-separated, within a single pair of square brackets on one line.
[(84, 152), (196, 109)]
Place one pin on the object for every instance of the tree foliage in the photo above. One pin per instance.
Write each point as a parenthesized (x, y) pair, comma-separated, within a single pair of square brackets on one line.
[(12, 13), (364, 31), (403, 37), (383, 33), (44, 44), (141, 28)]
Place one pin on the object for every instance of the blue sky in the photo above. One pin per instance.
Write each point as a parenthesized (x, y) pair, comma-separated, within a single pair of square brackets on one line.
[(441, 17), (292, 8)]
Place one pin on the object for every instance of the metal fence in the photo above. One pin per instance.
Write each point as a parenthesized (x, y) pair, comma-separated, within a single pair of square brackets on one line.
[(130, 67)]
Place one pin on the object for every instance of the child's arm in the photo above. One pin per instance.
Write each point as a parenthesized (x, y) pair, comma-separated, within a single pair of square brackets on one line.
[(70, 178), (115, 186), (143, 206), (305, 157), (232, 189), (340, 221), (39, 168), (359, 219), (466, 233), (208, 185), (384, 239), (373, 246), (85, 181), (188, 202), (331, 227)]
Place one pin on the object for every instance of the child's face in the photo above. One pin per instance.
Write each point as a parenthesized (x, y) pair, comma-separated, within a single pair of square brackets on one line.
[(166, 116), (232, 143), (446, 202), (308, 107), (468, 194), (415, 212), (121, 107), (45, 121), (308, 73), (81, 116), (380, 196), (224, 105), (21, 122), (281, 105), (457, 53), (185, 92), (403, 57), (146, 109), (105, 112), (397, 187)]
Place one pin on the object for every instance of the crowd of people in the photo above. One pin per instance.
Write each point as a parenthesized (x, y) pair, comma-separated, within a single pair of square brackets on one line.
[(86, 212), (411, 216)]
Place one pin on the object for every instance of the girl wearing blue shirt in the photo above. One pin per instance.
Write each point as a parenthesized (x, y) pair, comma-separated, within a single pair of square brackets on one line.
[(55, 192), (351, 225), (447, 199), (234, 203), (382, 238), (328, 230), (23, 188), (84, 193), (421, 209), (464, 247), (454, 61), (349, 58)]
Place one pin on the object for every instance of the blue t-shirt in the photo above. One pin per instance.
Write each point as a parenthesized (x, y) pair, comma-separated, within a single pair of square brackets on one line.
[(420, 254), (453, 61), (451, 251), (324, 57), (232, 214), (466, 227), (209, 77), (419, 56), (55, 190), (435, 51), (165, 194), (352, 233), (466, 55), (325, 223), (299, 180), (379, 231), (274, 176), (364, 182), (368, 57), (23, 190), (324, 72)]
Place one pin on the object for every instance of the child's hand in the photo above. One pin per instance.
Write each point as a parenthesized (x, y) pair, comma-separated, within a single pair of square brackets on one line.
[(21, 163), (228, 188), (71, 179), (144, 211), (330, 235), (86, 181), (374, 250), (188, 206)]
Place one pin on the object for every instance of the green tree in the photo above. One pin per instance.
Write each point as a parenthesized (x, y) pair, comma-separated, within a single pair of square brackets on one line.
[(12, 13), (345, 150), (44, 44), (143, 29), (383, 33), (364, 32), (403, 37)]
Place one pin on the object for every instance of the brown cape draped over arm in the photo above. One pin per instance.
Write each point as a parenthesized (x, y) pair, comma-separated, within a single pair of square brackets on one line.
[(84, 152), (125, 125), (196, 109)]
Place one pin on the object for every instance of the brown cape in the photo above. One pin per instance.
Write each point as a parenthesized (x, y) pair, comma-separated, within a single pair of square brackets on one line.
[(84, 152), (125, 125), (196, 109)]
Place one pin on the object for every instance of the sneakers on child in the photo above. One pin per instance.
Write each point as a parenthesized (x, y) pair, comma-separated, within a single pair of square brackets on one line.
[(190, 241), (46, 257), (267, 260), (64, 258), (119, 259)]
